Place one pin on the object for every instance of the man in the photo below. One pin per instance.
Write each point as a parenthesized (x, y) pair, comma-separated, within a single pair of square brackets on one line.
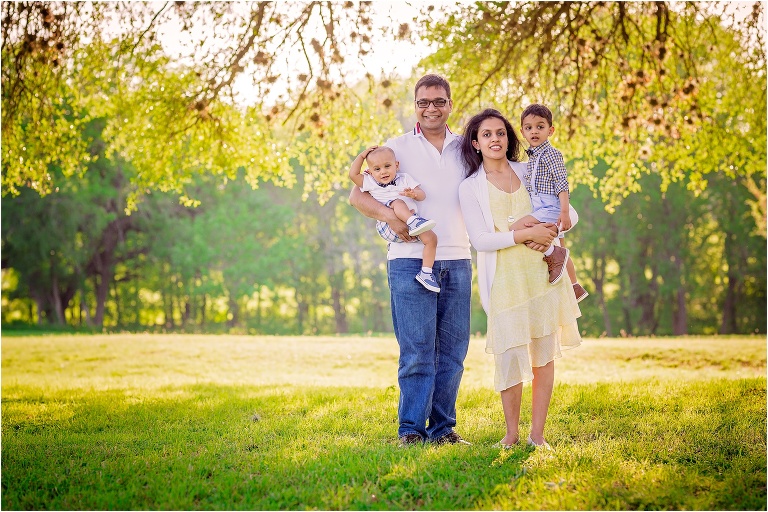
[(432, 329)]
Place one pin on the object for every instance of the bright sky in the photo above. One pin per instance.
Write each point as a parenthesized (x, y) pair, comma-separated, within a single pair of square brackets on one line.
[(387, 57)]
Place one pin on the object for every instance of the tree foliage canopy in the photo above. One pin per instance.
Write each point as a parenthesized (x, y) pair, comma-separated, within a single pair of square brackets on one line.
[(648, 87), (172, 115)]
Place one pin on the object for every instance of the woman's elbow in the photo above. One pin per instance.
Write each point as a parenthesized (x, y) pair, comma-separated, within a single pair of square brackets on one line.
[(479, 242)]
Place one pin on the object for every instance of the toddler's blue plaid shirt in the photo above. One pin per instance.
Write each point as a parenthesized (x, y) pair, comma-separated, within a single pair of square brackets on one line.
[(552, 176)]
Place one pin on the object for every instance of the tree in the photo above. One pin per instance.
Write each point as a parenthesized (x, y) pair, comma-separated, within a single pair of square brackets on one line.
[(171, 116), (637, 85), (59, 241)]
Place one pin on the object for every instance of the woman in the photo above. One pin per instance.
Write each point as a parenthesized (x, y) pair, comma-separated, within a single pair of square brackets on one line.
[(529, 320)]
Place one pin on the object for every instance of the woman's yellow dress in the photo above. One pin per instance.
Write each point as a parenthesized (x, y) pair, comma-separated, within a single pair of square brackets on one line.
[(530, 320)]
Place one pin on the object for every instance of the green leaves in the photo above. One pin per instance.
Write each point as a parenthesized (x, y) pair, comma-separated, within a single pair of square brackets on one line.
[(173, 114), (650, 88)]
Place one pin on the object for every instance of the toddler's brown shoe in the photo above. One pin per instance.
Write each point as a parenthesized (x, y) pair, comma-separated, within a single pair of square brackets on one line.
[(580, 292), (556, 263)]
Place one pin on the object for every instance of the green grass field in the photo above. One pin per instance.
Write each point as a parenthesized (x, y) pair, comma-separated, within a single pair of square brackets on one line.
[(239, 422)]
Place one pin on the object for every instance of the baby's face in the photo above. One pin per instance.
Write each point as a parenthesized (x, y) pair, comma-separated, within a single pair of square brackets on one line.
[(383, 166)]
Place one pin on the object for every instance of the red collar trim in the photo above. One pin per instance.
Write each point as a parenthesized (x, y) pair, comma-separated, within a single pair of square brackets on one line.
[(417, 129)]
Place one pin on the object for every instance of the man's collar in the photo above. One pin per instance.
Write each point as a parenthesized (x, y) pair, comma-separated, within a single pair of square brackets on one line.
[(449, 135)]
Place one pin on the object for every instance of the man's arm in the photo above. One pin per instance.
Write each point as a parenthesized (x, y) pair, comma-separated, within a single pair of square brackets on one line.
[(368, 206)]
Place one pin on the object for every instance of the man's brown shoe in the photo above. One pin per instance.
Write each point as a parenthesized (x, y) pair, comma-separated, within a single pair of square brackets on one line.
[(556, 263), (450, 438), (580, 292), (410, 440)]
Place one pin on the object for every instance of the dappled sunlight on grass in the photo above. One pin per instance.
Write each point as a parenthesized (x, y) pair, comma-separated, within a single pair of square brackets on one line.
[(230, 422)]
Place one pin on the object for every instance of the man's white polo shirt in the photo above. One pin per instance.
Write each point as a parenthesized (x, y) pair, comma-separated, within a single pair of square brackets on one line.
[(439, 175)]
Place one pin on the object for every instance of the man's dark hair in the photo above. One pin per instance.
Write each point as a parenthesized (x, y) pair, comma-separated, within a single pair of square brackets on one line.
[(537, 110), (432, 81)]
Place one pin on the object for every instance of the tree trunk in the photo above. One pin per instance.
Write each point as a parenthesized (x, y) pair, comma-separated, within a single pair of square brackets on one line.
[(599, 280), (234, 309), (136, 301), (202, 310), (101, 287), (102, 264), (680, 311), (382, 324), (187, 314), (646, 301), (40, 303), (175, 304), (339, 311), (680, 314), (628, 304), (118, 310), (85, 309), (168, 309), (56, 300), (728, 322), (302, 312)]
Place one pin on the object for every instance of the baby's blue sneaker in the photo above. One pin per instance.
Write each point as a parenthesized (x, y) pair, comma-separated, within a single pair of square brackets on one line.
[(428, 281), (419, 225)]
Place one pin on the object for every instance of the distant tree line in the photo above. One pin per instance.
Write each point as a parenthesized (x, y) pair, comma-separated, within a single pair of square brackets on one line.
[(264, 261)]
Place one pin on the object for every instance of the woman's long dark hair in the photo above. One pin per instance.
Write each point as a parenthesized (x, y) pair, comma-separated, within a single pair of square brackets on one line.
[(472, 159)]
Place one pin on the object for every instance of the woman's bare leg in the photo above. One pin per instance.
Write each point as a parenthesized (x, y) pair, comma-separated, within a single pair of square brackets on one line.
[(510, 404), (543, 383)]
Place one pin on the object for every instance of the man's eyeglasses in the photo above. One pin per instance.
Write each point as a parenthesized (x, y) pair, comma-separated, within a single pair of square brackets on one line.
[(438, 102)]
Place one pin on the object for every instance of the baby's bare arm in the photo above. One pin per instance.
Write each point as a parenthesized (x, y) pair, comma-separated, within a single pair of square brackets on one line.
[(356, 168), (414, 193)]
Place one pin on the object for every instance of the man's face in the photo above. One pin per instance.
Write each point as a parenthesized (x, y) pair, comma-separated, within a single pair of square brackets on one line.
[(432, 117)]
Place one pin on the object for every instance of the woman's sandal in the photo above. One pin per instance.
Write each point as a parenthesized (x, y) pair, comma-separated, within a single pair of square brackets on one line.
[(507, 446), (544, 445)]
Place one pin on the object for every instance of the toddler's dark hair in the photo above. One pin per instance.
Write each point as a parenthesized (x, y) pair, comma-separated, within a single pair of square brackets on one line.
[(537, 110)]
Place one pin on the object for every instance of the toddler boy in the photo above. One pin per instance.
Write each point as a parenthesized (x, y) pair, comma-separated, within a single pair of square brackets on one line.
[(546, 179)]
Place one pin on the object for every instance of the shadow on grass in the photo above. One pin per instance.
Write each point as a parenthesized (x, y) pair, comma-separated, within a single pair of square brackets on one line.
[(645, 445)]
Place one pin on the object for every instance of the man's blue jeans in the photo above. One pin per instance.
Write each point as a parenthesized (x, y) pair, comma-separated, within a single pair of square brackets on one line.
[(432, 330)]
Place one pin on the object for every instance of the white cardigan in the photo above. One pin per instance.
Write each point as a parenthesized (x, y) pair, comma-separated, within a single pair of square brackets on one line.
[(476, 208)]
